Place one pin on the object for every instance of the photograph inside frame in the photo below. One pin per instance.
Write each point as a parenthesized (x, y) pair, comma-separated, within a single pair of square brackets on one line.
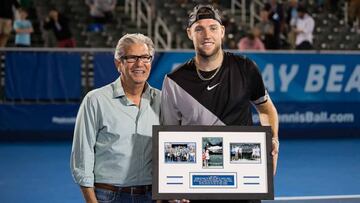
[(180, 152), (212, 152), (245, 153)]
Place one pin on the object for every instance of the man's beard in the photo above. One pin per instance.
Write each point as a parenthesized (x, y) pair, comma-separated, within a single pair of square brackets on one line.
[(203, 54)]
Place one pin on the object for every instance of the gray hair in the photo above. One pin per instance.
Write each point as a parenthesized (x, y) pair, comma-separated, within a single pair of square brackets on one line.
[(130, 39)]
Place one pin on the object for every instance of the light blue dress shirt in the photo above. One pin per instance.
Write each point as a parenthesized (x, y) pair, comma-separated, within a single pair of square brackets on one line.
[(113, 137)]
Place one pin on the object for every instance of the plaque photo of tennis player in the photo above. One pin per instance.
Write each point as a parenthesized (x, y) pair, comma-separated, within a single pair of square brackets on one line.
[(212, 152), (247, 153)]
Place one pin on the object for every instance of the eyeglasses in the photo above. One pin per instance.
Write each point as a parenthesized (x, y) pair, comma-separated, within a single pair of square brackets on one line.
[(134, 58)]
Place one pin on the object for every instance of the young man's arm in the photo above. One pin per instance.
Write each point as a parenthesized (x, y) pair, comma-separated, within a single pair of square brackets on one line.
[(269, 117)]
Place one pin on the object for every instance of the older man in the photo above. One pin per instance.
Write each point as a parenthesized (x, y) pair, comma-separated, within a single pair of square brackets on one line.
[(111, 154)]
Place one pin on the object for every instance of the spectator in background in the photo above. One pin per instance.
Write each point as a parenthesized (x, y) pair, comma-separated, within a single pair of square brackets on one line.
[(252, 41), (266, 28), (276, 15), (354, 13), (23, 29), (304, 30), (6, 16), (291, 18), (59, 24), (101, 12)]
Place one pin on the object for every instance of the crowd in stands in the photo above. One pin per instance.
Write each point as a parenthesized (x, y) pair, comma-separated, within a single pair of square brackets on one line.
[(282, 24), (290, 25)]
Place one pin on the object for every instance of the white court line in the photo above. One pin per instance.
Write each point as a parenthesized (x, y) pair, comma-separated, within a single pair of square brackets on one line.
[(319, 197)]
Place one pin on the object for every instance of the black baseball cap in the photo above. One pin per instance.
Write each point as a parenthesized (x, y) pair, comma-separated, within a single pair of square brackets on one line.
[(203, 12)]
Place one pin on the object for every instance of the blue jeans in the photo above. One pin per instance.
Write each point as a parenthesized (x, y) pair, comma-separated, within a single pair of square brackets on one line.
[(108, 196)]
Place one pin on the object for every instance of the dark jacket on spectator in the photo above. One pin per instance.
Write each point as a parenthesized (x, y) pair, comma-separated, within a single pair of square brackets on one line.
[(61, 29)]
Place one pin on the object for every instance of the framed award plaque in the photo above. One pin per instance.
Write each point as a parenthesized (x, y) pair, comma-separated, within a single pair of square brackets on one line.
[(212, 162)]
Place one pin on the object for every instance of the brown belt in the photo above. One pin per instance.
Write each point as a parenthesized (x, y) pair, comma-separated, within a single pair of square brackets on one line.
[(139, 190)]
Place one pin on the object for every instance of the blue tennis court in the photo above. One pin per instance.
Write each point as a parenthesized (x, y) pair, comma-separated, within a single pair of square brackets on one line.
[(310, 170), (316, 90)]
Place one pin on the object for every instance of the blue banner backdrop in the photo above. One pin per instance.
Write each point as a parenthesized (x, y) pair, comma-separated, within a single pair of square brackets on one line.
[(290, 77), (43, 75), (310, 77), (104, 69), (35, 118), (313, 92)]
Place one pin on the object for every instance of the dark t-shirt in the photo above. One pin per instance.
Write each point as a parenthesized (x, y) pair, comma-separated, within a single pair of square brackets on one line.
[(224, 100)]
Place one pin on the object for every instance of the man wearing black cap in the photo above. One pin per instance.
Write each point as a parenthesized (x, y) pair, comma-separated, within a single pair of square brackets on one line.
[(216, 87)]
